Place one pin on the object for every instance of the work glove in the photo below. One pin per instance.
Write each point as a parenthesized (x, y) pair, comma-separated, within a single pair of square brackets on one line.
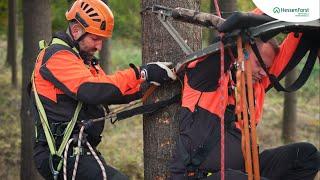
[(157, 72), (240, 20)]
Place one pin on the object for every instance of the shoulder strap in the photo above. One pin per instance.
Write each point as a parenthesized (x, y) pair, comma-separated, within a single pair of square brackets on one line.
[(61, 42), (43, 117), (46, 127), (301, 80)]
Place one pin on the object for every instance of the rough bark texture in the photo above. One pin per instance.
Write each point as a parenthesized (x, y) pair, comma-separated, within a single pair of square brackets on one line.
[(289, 111), (105, 56), (161, 129), (37, 26), (12, 41), (105, 53)]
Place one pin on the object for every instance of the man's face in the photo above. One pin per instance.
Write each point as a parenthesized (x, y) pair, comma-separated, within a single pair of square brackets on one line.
[(91, 43), (268, 54)]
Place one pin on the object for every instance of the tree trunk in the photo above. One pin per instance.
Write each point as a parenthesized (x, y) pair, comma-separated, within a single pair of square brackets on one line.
[(105, 53), (289, 111), (160, 130), (12, 41), (37, 26), (105, 56), (226, 8)]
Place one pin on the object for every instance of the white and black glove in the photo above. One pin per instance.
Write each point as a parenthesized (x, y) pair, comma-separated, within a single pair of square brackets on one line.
[(157, 72)]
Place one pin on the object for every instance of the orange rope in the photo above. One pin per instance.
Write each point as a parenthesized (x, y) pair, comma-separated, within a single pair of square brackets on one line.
[(254, 148), (241, 87)]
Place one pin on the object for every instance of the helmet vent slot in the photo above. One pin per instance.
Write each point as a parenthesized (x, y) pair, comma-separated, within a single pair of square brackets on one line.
[(80, 20), (97, 20), (82, 4), (94, 14), (103, 25), (85, 7), (89, 10)]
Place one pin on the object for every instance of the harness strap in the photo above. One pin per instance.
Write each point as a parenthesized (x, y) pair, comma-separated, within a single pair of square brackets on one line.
[(300, 81), (61, 42), (44, 120), (46, 128), (45, 123)]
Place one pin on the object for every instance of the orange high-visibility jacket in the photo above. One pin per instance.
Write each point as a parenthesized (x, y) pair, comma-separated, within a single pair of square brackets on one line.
[(62, 78)]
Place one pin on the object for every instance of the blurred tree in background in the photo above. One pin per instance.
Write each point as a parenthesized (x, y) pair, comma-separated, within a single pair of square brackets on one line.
[(12, 41), (37, 26)]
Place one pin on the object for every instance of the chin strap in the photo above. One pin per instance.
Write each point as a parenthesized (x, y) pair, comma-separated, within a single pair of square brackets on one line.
[(76, 42)]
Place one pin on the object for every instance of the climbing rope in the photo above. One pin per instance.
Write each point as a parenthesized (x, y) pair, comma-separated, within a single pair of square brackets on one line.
[(222, 130), (78, 153), (65, 157)]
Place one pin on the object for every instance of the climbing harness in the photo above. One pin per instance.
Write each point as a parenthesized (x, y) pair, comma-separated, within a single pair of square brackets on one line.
[(56, 157)]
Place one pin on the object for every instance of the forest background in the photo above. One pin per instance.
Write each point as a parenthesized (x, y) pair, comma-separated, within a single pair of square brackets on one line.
[(122, 144)]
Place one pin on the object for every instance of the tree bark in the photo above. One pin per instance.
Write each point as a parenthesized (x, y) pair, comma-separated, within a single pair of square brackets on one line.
[(105, 53), (12, 41), (161, 129), (105, 56), (289, 111), (37, 26)]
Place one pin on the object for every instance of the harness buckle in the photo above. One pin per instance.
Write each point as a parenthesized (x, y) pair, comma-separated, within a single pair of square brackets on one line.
[(54, 161)]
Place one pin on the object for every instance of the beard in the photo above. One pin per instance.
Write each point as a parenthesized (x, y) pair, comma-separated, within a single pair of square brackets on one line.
[(86, 56)]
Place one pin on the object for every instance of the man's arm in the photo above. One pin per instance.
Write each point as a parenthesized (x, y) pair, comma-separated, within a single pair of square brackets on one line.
[(70, 75)]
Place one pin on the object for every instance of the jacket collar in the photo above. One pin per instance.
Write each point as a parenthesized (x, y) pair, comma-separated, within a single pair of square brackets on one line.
[(66, 38)]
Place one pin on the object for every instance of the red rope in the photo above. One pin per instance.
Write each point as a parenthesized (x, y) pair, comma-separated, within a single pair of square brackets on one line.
[(222, 140)]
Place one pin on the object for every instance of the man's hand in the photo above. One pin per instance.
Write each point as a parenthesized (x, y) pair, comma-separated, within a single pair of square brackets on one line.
[(239, 20), (157, 72)]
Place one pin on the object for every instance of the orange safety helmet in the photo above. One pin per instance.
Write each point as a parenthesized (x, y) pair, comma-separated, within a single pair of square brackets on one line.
[(94, 15)]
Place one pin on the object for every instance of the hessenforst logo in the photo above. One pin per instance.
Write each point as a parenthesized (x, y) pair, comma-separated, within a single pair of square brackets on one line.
[(290, 10)]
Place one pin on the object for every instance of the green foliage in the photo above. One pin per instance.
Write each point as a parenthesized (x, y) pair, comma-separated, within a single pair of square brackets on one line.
[(245, 5), (10, 127), (3, 15), (123, 53), (119, 150), (311, 89), (58, 10), (205, 5), (127, 19)]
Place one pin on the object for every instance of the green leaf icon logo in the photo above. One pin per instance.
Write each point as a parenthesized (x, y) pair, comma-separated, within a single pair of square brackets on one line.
[(276, 10)]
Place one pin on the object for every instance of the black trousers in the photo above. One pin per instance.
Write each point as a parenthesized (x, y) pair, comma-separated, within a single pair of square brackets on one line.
[(88, 167), (298, 161)]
